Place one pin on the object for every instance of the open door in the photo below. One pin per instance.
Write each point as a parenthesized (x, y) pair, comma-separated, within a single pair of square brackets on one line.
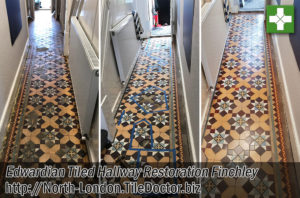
[(161, 18), (153, 12), (252, 5)]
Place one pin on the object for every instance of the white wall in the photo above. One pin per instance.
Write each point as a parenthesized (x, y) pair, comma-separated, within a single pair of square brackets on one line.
[(214, 34), (89, 19), (190, 79), (62, 14), (290, 78), (10, 60)]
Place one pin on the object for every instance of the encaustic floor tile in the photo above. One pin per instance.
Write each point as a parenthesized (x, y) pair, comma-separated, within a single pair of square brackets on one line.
[(242, 125), (44, 126)]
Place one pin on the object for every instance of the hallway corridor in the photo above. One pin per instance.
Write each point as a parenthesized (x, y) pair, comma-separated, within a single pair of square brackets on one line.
[(147, 120), (243, 123), (44, 124)]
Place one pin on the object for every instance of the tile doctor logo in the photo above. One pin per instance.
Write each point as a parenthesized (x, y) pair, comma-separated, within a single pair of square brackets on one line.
[(280, 19)]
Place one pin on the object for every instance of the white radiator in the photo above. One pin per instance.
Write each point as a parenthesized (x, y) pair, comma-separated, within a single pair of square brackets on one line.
[(84, 67), (126, 46)]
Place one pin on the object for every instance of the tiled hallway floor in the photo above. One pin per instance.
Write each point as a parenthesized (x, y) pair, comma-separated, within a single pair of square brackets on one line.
[(44, 126), (243, 123), (161, 31), (146, 121)]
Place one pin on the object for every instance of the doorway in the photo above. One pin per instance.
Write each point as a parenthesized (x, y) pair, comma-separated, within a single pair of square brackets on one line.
[(252, 5), (42, 4), (161, 15)]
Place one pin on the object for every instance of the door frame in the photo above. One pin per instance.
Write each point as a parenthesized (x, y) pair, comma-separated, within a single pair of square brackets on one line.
[(172, 16)]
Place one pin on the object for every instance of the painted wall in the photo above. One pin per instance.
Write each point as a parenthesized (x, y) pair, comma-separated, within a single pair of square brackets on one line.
[(120, 9), (214, 34), (187, 25), (62, 14), (290, 82), (295, 38), (190, 79), (89, 19), (10, 58)]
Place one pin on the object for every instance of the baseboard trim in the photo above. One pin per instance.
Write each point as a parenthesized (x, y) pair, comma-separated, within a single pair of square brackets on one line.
[(189, 125), (4, 119), (204, 111)]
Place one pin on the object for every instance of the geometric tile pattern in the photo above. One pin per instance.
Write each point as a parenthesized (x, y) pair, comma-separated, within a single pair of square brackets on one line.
[(45, 127), (242, 125), (146, 122), (239, 119)]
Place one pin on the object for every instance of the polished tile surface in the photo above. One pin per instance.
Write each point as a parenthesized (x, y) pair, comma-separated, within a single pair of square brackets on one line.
[(146, 120), (243, 124), (239, 126), (44, 125), (161, 31)]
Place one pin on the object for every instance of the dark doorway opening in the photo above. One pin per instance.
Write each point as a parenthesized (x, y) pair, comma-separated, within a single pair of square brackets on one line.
[(163, 7), (161, 18)]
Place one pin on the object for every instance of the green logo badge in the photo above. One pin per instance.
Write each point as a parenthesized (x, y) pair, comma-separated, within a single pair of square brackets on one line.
[(280, 19)]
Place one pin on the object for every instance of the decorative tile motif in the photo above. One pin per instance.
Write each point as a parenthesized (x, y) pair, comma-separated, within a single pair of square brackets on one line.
[(260, 141), (46, 128), (240, 102), (146, 119), (119, 147), (243, 120), (152, 99), (211, 187), (142, 135), (218, 139)]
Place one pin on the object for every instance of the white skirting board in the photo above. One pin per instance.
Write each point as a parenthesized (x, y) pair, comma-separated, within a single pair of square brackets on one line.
[(5, 115)]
